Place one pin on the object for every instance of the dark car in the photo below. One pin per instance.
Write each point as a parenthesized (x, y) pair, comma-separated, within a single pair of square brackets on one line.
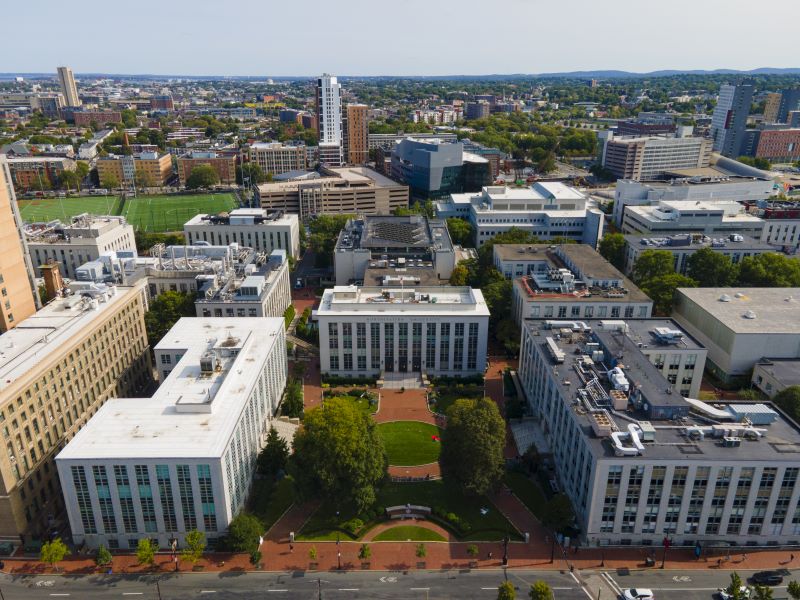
[(767, 578)]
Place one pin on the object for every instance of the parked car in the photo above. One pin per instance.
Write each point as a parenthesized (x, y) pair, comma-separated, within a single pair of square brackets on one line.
[(767, 578), (638, 594), (724, 595)]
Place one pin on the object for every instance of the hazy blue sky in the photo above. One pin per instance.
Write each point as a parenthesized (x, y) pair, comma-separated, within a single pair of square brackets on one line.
[(395, 37)]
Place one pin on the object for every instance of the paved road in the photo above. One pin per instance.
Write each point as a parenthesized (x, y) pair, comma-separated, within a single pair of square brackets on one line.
[(688, 585), (288, 586)]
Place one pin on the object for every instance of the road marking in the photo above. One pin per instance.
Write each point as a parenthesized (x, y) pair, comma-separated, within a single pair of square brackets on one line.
[(681, 579), (419, 589), (208, 591), (386, 579), (136, 593), (348, 589), (59, 594), (493, 589), (277, 590)]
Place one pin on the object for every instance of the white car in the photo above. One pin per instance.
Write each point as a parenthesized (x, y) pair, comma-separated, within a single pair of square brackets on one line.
[(724, 595), (638, 594)]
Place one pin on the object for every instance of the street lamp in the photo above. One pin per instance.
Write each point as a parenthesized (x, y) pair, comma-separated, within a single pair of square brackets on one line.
[(338, 552)]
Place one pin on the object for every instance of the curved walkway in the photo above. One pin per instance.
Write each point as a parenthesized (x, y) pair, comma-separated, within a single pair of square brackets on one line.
[(408, 522), (409, 405), (431, 469)]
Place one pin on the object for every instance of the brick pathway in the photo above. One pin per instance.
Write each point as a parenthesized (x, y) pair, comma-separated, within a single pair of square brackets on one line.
[(405, 523), (409, 405)]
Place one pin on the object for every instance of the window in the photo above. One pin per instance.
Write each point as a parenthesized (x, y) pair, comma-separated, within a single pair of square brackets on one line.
[(207, 497), (187, 497), (125, 498), (84, 499), (104, 499), (146, 498)]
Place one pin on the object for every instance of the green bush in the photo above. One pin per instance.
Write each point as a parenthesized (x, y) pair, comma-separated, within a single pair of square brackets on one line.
[(353, 526), (288, 315)]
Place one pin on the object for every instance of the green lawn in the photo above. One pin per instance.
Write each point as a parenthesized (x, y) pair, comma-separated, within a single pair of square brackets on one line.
[(268, 500), (528, 491), (408, 533), (356, 397), (436, 494), (446, 396), (410, 443), (150, 213)]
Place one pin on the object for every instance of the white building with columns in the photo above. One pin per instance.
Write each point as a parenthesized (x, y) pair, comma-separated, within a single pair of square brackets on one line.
[(184, 458), (370, 331)]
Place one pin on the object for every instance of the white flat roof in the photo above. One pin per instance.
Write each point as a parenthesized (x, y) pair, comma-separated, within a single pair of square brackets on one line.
[(418, 300), (49, 331), (153, 427), (774, 310)]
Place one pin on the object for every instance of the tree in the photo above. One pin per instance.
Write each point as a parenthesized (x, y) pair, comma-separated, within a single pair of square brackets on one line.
[(661, 290), (497, 296), (459, 276), (794, 590), (146, 551), (734, 590), (651, 264), (540, 591), (202, 176), (506, 591), (244, 533), (758, 163), (461, 231), (103, 556), (53, 552), (769, 270), (165, 310), (324, 233), (472, 445), (255, 557), (364, 552), (312, 553), (143, 179), (273, 457), (612, 248), (711, 269), (472, 550), (762, 592), (421, 551), (109, 181), (508, 334), (547, 163), (69, 180), (252, 172), (338, 454), (195, 545), (788, 400), (82, 169), (293, 400), (558, 513)]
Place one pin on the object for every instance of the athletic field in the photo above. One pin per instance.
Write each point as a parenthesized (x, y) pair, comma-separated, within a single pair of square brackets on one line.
[(148, 213)]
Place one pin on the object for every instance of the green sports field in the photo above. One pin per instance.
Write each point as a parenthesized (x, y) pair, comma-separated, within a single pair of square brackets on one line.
[(148, 213)]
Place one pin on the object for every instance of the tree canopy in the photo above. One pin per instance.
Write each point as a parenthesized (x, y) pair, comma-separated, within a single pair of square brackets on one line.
[(324, 233), (460, 231), (651, 264), (612, 248), (788, 400), (506, 591), (338, 454), (252, 172), (661, 290), (711, 269), (540, 590), (53, 552), (769, 270), (472, 445), (274, 456), (244, 532), (202, 176), (165, 310)]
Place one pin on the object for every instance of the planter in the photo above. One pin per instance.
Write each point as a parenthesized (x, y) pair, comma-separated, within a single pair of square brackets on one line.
[(365, 566), (421, 564), (312, 566)]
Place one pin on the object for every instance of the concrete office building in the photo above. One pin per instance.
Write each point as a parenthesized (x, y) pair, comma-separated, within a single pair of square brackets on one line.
[(277, 158), (389, 140), (477, 110), (329, 120), (773, 375), (781, 223), (66, 80), (184, 458), (373, 331), (434, 169), (58, 367), (670, 217), (545, 209), (261, 289), (729, 120), (734, 246), (405, 250), (570, 281), (180, 268), (789, 102), (17, 286), (356, 132), (252, 227), (649, 158), (639, 461), (224, 166), (84, 239), (345, 190), (708, 186), (739, 326)]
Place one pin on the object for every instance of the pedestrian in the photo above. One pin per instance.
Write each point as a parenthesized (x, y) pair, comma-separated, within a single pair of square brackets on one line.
[(744, 556), (791, 557), (490, 555), (291, 548), (719, 562)]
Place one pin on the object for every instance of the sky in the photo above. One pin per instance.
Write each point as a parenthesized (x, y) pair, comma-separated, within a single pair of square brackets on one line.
[(397, 37)]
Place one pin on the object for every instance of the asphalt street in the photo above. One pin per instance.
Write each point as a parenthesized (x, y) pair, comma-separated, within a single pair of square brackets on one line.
[(280, 586)]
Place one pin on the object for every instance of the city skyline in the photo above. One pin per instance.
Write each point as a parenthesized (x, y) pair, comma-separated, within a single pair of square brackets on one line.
[(523, 42)]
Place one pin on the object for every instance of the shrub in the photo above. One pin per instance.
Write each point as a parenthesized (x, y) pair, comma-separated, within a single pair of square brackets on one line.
[(352, 526)]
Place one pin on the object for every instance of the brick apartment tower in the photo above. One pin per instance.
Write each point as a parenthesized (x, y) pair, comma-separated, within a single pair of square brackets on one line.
[(356, 137), (18, 299)]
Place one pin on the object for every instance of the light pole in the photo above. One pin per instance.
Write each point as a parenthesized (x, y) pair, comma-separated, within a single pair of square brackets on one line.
[(338, 553)]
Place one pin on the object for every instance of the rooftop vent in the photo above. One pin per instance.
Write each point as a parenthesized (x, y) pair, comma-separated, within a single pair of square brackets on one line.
[(724, 298), (749, 315)]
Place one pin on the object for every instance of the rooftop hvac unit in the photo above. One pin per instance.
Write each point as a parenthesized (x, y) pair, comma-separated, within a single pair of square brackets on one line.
[(555, 352), (208, 362)]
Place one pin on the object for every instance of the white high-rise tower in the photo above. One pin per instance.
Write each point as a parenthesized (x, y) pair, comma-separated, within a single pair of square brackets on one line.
[(68, 87), (329, 120)]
